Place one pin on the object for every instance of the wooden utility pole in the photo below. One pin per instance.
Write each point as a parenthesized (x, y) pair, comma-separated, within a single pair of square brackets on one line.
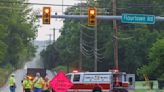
[(115, 36), (80, 61), (95, 42), (95, 49)]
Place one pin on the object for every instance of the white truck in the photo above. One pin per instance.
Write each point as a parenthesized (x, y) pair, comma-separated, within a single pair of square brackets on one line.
[(103, 81)]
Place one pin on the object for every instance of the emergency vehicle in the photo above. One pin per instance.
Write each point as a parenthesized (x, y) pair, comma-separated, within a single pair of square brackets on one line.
[(87, 81)]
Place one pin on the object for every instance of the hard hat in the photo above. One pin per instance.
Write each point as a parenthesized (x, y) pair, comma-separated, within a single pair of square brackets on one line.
[(46, 77), (37, 74), (12, 74)]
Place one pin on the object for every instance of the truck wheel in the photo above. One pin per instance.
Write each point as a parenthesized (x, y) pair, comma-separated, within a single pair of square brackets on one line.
[(120, 90), (96, 89)]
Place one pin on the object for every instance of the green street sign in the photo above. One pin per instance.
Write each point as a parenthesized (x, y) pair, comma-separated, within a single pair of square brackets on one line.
[(138, 18)]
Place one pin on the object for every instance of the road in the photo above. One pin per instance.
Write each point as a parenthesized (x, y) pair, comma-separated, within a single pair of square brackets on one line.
[(19, 74)]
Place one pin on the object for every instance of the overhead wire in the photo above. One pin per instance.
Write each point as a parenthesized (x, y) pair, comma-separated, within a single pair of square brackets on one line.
[(90, 43), (87, 35), (88, 51), (84, 44), (86, 54), (34, 3)]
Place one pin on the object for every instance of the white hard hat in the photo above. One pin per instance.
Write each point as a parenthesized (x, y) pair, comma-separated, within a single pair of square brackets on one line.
[(46, 77), (37, 74), (12, 74)]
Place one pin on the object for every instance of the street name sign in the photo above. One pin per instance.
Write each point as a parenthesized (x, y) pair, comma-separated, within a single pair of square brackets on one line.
[(138, 18), (60, 83)]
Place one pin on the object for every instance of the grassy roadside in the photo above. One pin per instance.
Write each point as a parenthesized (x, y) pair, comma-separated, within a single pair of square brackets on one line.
[(3, 75), (141, 86), (146, 90)]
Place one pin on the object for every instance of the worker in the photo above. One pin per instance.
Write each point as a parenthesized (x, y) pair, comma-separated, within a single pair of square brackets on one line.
[(46, 86), (38, 83), (12, 83), (27, 84), (24, 78)]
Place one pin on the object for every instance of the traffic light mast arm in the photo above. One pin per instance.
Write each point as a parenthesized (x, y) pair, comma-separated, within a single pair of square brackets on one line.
[(99, 17)]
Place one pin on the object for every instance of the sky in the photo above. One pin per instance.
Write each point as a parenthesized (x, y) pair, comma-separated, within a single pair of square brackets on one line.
[(45, 30)]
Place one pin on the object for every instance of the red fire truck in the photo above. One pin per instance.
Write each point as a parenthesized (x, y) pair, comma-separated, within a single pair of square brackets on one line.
[(103, 81)]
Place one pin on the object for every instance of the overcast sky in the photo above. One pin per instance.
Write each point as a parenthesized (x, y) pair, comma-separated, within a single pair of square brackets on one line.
[(46, 30)]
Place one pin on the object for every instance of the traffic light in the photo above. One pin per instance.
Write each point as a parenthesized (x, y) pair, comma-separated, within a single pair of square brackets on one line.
[(46, 17), (92, 21)]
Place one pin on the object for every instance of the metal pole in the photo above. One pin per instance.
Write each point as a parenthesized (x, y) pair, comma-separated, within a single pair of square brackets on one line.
[(115, 36), (95, 49), (49, 38), (54, 35), (99, 17), (80, 61), (62, 7)]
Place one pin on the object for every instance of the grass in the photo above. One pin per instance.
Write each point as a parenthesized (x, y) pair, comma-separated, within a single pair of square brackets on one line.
[(3, 74), (141, 86), (146, 90)]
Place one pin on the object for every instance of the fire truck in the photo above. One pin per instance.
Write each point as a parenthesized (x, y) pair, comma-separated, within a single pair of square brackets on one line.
[(102, 81)]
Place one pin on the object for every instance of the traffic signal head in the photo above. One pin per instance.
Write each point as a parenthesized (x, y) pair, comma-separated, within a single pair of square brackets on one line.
[(46, 17), (92, 21)]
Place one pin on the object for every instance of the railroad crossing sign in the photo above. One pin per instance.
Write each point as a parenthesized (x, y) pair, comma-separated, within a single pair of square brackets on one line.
[(138, 18), (60, 83)]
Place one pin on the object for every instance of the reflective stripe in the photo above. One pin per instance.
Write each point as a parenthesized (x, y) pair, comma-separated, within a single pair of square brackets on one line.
[(27, 84), (46, 85), (38, 83)]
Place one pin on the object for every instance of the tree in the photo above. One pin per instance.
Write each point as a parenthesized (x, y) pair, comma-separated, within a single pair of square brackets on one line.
[(135, 40), (155, 65), (17, 30)]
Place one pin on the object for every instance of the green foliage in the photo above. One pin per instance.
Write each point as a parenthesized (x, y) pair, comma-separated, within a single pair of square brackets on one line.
[(135, 40), (60, 68), (17, 31), (50, 56), (155, 65)]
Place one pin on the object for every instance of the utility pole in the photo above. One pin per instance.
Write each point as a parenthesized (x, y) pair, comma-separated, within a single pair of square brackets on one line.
[(54, 35), (80, 61), (50, 35), (62, 7), (115, 38), (95, 45), (95, 49)]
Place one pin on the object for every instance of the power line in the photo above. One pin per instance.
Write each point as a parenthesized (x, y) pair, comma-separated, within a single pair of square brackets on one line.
[(88, 36), (86, 45), (34, 3)]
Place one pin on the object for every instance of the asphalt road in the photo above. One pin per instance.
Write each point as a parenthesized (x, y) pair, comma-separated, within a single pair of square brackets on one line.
[(19, 74)]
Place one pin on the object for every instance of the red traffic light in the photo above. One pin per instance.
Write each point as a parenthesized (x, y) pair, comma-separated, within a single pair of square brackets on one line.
[(92, 21), (46, 17)]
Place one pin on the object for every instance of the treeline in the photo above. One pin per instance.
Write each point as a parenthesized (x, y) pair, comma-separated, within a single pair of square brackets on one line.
[(138, 43), (18, 29)]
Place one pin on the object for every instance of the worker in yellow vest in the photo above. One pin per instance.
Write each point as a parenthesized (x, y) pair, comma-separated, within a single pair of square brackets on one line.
[(27, 84), (38, 83), (46, 86), (12, 83)]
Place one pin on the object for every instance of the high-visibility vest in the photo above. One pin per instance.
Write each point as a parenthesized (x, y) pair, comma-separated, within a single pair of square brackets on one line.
[(38, 82), (11, 81), (46, 85), (27, 84)]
